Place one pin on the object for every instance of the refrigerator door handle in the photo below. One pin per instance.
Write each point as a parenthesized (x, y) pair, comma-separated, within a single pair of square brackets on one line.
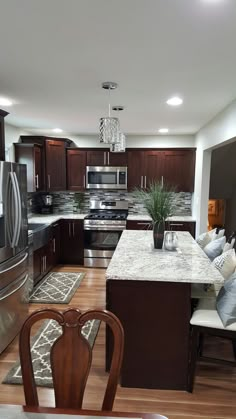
[(16, 289), (19, 209), (16, 224), (16, 264)]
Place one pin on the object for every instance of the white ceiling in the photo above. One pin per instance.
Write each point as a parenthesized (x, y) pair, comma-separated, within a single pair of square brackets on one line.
[(54, 55)]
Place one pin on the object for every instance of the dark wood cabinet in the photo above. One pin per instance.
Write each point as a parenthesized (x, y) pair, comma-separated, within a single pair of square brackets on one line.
[(76, 169), (55, 243), (104, 157), (2, 134), (72, 242), (54, 159), (179, 169), (32, 155), (174, 167), (189, 226), (42, 260), (169, 225), (55, 165)]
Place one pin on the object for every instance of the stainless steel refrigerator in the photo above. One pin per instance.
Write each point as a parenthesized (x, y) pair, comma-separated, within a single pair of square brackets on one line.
[(14, 280)]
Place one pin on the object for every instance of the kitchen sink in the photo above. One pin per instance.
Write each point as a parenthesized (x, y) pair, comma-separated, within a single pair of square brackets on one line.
[(41, 234)]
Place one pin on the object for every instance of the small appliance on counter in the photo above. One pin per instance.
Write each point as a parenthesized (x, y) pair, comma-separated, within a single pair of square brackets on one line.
[(46, 204)]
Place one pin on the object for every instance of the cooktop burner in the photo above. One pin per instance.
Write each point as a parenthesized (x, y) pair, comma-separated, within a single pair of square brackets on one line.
[(106, 216)]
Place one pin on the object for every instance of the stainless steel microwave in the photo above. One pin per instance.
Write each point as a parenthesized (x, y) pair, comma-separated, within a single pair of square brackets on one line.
[(106, 177)]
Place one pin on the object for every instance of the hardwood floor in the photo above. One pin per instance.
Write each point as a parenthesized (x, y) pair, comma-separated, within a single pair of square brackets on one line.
[(214, 393)]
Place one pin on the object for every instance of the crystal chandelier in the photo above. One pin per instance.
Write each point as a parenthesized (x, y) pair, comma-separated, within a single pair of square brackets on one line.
[(120, 146), (109, 126)]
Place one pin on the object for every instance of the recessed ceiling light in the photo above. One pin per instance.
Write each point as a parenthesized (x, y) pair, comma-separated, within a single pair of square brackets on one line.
[(163, 130), (174, 101), (5, 102), (57, 130)]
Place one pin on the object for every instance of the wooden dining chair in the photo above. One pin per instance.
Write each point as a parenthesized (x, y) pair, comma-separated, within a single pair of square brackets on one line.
[(71, 357), (206, 321)]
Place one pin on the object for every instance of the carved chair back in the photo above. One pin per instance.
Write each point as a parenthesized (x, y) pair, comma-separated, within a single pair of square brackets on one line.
[(71, 357)]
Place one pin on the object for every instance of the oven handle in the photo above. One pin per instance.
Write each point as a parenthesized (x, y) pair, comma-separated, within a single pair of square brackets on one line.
[(117, 228)]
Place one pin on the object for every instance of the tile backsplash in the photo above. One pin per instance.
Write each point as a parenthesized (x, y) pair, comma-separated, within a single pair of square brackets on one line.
[(65, 202)]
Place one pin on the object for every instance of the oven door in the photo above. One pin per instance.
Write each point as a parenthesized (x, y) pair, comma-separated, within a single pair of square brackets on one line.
[(106, 177), (99, 246)]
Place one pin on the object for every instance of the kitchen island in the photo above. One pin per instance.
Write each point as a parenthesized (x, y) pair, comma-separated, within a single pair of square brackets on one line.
[(150, 291)]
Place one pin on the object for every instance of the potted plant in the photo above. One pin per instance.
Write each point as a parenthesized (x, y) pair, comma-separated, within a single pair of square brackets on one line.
[(159, 202)]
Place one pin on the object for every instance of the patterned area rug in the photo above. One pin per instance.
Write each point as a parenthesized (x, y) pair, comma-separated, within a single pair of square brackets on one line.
[(56, 288), (40, 348)]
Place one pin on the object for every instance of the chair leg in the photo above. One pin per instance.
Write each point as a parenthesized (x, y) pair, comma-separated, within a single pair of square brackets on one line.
[(193, 357), (234, 347)]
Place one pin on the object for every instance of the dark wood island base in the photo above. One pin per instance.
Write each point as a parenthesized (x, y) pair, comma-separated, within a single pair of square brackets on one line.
[(155, 316)]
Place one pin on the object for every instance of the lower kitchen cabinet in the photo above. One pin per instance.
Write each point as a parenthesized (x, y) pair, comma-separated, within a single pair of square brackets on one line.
[(72, 242), (55, 243), (170, 225), (42, 259)]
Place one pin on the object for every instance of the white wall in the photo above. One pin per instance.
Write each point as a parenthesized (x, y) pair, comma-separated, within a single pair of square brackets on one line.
[(220, 131), (139, 141), (12, 135)]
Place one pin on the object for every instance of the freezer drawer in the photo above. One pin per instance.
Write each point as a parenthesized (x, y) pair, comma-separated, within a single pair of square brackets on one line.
[(13, 269), (13, 309)]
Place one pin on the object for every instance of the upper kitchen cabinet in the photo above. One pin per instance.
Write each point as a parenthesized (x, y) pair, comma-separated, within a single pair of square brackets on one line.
[(55, 165), (54, 158), (76, 169), (173, 167), (104, 157), (135, 169), (32, 155), (2, 134), (179, 169)]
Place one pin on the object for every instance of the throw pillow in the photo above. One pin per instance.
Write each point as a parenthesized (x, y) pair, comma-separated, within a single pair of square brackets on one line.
[(214, 235), (203, 240), (229, 246), (214, 248), (226, 301), (226, 263)]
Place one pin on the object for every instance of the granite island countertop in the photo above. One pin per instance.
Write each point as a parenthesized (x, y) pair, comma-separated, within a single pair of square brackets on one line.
[(135, 259)]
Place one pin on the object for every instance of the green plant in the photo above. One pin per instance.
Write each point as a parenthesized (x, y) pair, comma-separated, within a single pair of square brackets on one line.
[(158, 200)]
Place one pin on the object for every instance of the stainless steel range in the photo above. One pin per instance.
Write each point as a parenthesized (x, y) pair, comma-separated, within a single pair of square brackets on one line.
[(102, 230)]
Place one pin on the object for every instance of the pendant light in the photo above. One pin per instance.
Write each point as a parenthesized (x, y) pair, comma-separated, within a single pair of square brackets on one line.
[(109, 126), (121, 144)]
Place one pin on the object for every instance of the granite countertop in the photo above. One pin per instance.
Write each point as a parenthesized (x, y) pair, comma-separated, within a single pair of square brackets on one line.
[(135, 259), (174, 218), (52, 218)]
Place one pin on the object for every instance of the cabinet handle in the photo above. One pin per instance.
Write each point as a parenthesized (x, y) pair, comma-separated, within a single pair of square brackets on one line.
[(145, 177), (108, 158), (69, 226), (104, 158), (55, 225), (144, 224), (45, 266), (42, 265), (54, 245), (176, 224), (141, 184), (162, 181), (84, 181), (49, 181), (73, 229), (37, 181)]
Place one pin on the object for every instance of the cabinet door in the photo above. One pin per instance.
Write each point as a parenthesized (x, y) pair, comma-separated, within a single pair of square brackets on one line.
[(48, 256), (179, 169), (181, 226), (135, 169), (139, 225), (153, 167), (76, 167), (55, 165), (117, 159), (38, 268), (97, 157), (72, 242), (38, 168), (55, 244)]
